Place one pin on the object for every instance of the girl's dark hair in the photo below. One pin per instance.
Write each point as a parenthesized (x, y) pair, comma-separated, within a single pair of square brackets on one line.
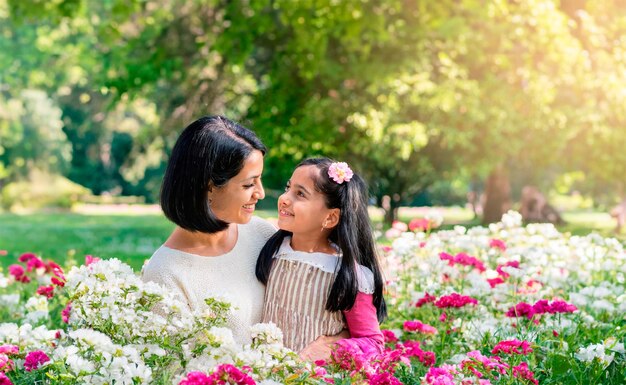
[(353, 235), (210, 151)]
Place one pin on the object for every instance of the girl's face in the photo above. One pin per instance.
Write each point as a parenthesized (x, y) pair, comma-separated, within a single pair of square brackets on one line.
[(235, 201), (302, 209)]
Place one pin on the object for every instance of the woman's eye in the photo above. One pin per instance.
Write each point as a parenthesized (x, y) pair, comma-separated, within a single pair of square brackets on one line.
[(248, 185), (300, 194)]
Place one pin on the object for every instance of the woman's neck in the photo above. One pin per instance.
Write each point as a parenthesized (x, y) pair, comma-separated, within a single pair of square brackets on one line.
[(202, 243), (312, 243)]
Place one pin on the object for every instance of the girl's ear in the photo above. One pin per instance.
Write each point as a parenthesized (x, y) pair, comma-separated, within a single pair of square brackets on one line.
[(332, 219)]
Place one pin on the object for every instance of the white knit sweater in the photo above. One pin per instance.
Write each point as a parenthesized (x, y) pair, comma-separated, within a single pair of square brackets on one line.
[(229, 276)]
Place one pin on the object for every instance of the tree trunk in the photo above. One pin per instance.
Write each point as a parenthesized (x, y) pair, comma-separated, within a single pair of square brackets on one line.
[(535, 207), (390, 205), (497, 196)]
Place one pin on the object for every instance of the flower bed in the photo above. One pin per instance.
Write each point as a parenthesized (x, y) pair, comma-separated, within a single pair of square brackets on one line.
[(505, 304)]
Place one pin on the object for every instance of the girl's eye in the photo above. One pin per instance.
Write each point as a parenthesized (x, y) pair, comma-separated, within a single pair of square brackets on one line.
[(287, 188), (300, 194), (248, 185)]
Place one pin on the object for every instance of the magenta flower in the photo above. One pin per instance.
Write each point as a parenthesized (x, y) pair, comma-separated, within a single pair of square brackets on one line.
[(561, 307), (522, 309), (340, 172), (18, 272), (521, 371), (417, 326), (26, 257), (427, 298), (65, 313), (35, 263), (497, 244), (196, 378), (46, 291), (455, 300), (383, 379), (35, 359), (463, 259), (389, 336), (412, 349), (4, 380), (513, 346)]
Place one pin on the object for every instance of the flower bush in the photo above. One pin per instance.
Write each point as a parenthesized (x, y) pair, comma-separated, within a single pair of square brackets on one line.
[(504, 304)]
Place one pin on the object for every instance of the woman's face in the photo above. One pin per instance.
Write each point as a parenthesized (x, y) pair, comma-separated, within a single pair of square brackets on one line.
[(235, 201)]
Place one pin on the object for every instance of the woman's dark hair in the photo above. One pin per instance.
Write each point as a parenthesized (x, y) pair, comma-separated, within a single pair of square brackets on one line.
[(353, 235), (208, 153)]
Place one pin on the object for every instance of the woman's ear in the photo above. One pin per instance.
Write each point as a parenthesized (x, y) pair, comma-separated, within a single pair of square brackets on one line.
[(332, 219)]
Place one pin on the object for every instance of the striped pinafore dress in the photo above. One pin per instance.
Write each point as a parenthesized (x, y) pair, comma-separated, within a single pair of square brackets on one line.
[(296, 294)]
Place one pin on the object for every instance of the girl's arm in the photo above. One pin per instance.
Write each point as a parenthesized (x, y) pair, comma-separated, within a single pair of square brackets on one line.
[(363, 326)]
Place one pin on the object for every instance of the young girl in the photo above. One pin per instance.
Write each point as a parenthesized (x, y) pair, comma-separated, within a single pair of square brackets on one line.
[(320, 268)]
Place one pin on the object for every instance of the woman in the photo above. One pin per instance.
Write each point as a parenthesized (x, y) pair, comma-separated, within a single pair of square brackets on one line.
[(210, 189)]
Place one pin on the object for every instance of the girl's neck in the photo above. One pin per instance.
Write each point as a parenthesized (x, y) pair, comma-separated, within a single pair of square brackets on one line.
[(312, 243)]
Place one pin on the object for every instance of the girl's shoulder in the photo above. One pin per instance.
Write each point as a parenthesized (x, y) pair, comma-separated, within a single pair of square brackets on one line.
[(365, 279)]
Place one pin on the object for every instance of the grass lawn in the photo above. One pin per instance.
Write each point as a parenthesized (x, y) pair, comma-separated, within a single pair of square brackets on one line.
[(132, 236)]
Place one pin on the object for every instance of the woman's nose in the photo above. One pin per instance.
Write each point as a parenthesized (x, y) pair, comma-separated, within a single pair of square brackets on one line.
[(260, 192)]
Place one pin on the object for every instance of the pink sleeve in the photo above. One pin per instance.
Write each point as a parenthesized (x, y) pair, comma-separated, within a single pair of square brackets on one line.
[(363, 326)]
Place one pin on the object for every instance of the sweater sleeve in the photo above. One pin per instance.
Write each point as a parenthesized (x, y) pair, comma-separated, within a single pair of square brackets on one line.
[(363, 326)]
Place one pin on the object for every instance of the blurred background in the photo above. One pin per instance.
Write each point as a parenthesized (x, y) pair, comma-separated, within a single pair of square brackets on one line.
[(475, 107)]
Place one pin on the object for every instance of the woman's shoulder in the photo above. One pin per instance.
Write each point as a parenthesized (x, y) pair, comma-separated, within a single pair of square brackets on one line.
[(261, 227), (365, 279)]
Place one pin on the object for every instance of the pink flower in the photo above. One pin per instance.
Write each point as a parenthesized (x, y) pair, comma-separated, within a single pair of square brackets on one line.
[(400, 226), (9, 349), (65, 314), (6, 364), (522, 371), (90, 259), (503, 273), (46, 291), (4, 380), (455, 300), (392, 233), (427, 298), (513, 346), (443, 375), (419, 224), (497, 244), (349, 358), (462, 259), (389, 336), (34, 360), (417, 326), (3, 253), (383, 379), (340, 172), (412, 349)]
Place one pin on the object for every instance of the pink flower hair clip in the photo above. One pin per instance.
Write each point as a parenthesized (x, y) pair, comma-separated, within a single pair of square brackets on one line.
[(340, 172)]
